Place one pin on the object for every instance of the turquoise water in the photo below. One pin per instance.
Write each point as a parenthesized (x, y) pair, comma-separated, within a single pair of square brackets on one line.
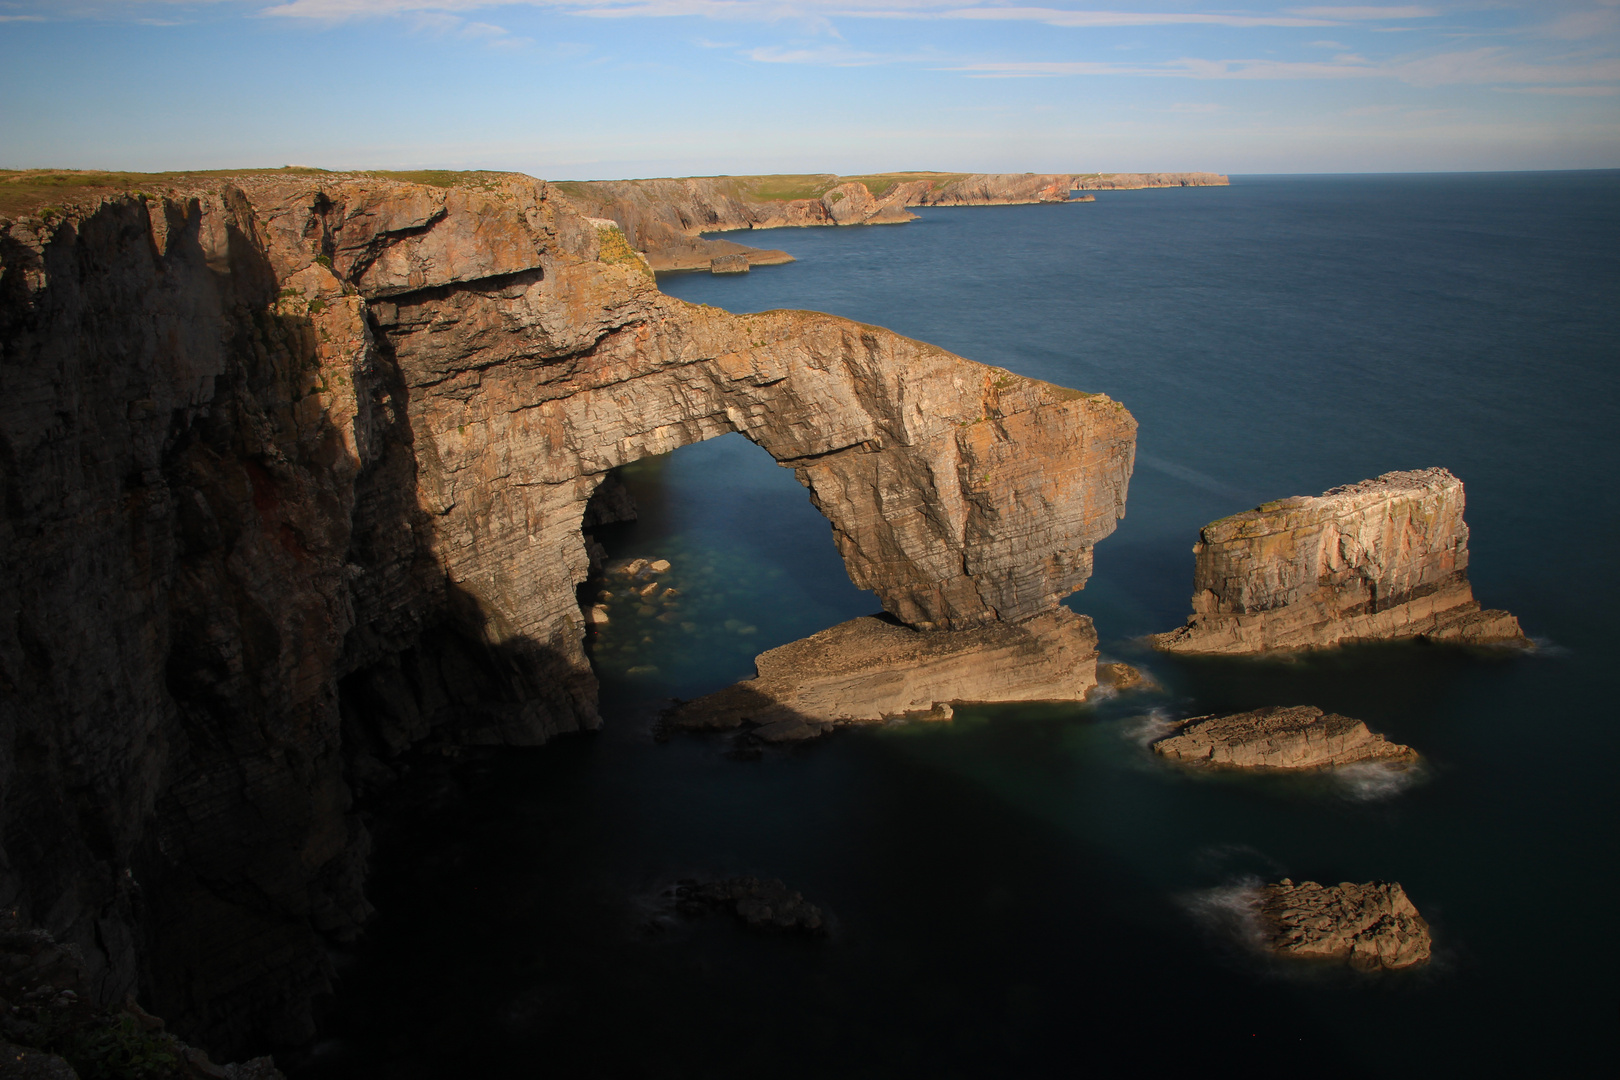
[(1024, 892)]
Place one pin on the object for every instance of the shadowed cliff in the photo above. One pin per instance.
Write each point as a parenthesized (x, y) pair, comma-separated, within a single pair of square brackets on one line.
[(293, 474)]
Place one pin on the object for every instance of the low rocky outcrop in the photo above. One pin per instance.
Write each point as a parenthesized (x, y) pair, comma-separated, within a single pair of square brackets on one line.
[(1385, 558), (665, 218), (1120, 678), (1280, 737), (729, 264), (294, 470), (762, 904), (870, 669), (1369, 927)]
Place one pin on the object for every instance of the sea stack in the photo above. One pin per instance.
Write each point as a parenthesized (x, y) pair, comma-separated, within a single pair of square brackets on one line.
[(1386, 558), (1281, 737)]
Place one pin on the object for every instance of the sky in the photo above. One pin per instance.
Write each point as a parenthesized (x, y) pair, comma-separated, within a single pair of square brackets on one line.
[(586, 89)]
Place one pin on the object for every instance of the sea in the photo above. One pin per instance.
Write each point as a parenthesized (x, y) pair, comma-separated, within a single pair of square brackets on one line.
[(1025, 891)]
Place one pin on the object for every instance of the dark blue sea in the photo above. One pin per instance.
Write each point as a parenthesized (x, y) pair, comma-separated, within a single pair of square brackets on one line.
[(1025, 892)]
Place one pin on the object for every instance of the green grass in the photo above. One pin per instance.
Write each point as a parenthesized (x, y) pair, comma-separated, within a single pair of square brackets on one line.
[(880, 184), (482, 179), (33, 191)]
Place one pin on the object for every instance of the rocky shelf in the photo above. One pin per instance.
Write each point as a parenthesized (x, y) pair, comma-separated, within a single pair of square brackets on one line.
[(1369, 927), (870, 669), (1280, 737)]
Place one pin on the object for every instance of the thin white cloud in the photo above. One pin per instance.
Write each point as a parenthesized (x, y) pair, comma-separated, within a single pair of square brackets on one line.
[(1564, 91), (1475, 67), (1367, 13)]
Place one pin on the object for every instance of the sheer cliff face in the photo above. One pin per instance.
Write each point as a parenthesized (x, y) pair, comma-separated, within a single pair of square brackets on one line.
[(1385, 558), (293, 478)]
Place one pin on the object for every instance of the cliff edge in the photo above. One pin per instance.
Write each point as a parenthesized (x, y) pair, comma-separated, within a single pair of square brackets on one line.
[(294, 467), (664, 218)]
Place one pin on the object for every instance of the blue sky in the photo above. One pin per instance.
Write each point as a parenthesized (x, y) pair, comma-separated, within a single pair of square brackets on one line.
[(573, 89)]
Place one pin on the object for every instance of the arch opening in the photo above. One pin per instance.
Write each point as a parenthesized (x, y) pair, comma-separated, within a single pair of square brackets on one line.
[(702, 558)]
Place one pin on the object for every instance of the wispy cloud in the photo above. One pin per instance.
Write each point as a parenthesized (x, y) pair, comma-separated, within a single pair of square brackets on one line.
[(1478, 67), (1565, 91), (1367, 13)]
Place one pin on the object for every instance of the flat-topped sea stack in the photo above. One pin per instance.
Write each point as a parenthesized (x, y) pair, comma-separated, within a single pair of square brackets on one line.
[(1386, 558), (1370, 927), (1281, 737), (871, 669)]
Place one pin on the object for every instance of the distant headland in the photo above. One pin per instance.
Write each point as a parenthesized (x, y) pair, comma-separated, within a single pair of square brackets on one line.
[(664, 218)]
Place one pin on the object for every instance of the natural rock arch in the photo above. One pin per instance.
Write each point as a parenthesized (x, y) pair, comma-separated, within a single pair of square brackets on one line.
[(960, 494), (280, 446)]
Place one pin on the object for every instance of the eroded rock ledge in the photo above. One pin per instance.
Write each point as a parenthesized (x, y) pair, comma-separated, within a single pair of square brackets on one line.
[(1369, 927), (294, 469), (1385, 558), (1280, 737), (871, 669)]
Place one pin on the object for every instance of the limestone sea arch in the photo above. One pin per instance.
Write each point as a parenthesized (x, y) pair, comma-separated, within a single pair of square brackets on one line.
[(294, 470)]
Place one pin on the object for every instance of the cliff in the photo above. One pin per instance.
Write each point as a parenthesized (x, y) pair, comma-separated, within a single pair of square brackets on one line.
[(294, 468), (663, 218), (1385, 558)]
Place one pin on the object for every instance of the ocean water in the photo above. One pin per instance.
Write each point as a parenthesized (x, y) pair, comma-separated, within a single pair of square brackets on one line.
[(1025, 891)]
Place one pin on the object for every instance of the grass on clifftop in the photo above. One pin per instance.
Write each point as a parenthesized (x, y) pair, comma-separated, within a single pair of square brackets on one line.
[(33, 191), (782, 187), (26, 191)]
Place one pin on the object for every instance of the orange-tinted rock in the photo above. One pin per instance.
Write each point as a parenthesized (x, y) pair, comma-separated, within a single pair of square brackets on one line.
[(1281, 737), (1385, 558), (295, 472), (869, 669), (1369, 927)]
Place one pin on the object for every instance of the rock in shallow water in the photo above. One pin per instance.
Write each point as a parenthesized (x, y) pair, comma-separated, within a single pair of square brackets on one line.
[(767, 904), (1279, 737), (867, 669), (1370, 927)]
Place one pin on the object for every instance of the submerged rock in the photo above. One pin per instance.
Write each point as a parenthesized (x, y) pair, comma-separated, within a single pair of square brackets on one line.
[(1279, 737), (763, 904), (1385, 558), (1121, 677), (1370, 927)]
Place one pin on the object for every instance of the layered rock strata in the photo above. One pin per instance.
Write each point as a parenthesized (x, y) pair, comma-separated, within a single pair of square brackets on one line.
[(871, 669), (1281, 737), (664, 218), (1385, 558), (294, 469), (1369, 927)]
